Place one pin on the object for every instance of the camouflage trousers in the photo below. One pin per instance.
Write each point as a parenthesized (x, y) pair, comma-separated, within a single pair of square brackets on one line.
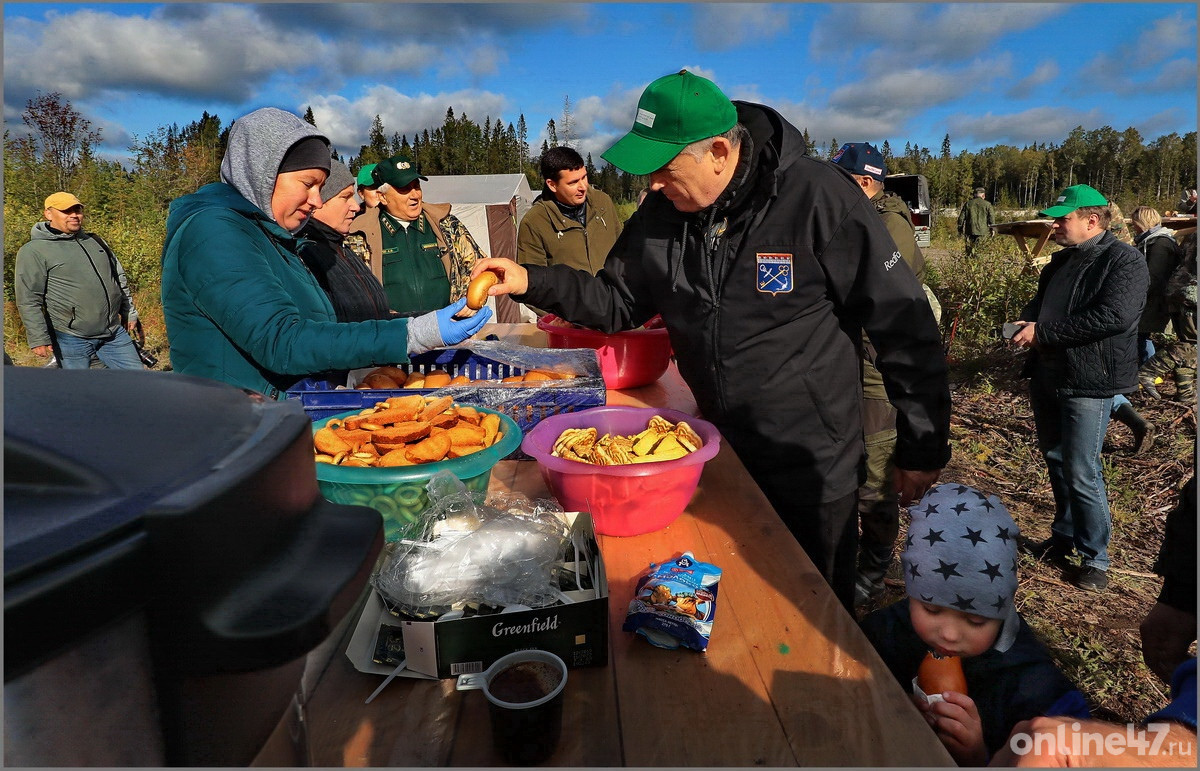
[(1176, 359), (878, 503)]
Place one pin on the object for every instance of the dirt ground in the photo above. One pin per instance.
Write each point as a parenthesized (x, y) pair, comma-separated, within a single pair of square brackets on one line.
[(1093, 637)]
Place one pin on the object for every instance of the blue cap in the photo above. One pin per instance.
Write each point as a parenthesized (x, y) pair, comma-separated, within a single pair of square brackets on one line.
[(861, 158)]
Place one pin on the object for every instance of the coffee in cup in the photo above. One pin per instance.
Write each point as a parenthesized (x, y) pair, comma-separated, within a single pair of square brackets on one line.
[(524, 693)]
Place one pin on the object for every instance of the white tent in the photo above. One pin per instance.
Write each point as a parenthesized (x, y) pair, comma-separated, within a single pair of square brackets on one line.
[(491, 207)]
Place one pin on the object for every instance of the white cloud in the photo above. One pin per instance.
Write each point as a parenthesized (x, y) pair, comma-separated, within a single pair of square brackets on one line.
[(1160, 123), (1044, 73), (221, 55), (723, 26), (1040, 124), (894, 98), (347, 122), (888, 35), (1131, 67)]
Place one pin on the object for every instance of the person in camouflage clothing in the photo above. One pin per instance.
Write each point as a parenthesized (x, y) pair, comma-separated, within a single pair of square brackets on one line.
[(1119, 227), (878, 507), (1177, 358)]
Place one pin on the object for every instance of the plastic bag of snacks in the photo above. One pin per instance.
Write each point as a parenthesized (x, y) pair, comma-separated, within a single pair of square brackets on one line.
[(675, 603), (499, 555)]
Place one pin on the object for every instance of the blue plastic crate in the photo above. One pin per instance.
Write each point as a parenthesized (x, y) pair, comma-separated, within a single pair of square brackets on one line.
[(527, 405)]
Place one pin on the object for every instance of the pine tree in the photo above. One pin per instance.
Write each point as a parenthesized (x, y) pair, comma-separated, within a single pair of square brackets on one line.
[(309, 118), (946, 146), (568, 123)]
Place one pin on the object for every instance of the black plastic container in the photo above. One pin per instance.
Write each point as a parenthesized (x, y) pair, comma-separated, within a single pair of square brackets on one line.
[(168, 563)]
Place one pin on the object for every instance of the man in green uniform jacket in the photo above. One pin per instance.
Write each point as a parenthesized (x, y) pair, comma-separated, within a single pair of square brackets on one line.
[(426, 253)]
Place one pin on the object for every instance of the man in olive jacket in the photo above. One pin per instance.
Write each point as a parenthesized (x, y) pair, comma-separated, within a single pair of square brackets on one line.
[(570, 223), (766, 264), (72, 293), (976, 219), (1082, 329)]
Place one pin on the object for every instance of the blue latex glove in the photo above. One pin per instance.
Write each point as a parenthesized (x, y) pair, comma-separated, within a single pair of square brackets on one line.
[(454, 331), (440, 328)]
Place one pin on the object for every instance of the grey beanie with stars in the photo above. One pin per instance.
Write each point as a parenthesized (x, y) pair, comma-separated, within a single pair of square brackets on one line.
[(961, 553)]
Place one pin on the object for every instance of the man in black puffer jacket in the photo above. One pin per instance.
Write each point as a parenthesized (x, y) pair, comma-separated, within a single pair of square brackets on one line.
[(766, 265), (1082, 326)]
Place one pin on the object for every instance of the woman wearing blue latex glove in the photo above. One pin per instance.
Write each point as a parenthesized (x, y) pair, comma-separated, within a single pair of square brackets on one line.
[(434, 330), (240, 305)]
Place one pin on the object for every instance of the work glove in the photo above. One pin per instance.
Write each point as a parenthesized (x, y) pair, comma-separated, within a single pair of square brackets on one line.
[(439, 328)]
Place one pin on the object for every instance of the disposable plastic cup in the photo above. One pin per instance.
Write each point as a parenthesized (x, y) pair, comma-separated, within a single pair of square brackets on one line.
[(525, 700)]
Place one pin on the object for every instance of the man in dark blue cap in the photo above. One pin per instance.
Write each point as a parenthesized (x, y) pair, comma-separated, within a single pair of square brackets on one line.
[(878, 505)]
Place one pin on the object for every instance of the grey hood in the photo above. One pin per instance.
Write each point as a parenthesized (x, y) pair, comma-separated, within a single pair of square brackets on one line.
[(257, 143), (42, 232)]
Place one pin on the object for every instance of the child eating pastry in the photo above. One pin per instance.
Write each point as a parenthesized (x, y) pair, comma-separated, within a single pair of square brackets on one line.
[(960, 574)]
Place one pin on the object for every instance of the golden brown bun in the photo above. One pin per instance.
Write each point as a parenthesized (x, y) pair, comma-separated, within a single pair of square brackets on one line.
[(477, 292), (437, 378), (379, 380), (395, 373)]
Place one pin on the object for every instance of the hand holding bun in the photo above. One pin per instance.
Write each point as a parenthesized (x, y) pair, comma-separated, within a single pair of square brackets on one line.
[(938, 674), (477, 292)]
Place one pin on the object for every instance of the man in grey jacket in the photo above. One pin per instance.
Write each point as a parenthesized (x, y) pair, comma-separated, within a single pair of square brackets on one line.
[(72, 293)]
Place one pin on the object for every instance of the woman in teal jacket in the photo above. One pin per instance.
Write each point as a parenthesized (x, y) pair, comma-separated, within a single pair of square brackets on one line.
[(240, 305)]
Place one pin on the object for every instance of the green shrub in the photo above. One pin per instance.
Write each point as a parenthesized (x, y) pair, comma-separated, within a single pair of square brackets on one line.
[(980, 293)]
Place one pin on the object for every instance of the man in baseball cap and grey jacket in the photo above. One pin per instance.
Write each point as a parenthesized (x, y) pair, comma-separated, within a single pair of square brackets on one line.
[(766, 265), (72, 293)]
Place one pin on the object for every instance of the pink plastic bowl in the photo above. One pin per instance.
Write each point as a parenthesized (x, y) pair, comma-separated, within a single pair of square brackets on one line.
[(628, 359), (628, 499)]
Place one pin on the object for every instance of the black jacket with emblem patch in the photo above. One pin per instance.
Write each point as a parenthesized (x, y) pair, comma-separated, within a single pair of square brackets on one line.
[(776, 371)]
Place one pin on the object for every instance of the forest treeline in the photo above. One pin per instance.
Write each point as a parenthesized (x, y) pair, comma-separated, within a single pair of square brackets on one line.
[(127, 203)]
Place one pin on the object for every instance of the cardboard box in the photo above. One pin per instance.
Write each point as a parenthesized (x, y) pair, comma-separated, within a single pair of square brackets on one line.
[(577, 631)]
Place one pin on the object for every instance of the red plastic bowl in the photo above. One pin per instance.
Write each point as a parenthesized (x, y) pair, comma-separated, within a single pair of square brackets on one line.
[(628, 359), (628, 499)]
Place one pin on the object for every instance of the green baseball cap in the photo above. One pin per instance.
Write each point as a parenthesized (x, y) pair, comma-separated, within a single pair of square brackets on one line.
[(1072, 198), (364, 175), (674, 111), (396, 171)]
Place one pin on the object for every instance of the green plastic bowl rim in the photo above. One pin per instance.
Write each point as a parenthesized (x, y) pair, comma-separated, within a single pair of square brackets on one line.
[(466, 467)]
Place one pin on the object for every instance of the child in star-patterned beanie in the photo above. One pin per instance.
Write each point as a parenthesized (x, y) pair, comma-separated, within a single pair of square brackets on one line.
[(960, 575)]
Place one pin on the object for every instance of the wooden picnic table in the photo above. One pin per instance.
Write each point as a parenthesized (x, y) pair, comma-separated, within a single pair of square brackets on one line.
[(788, 678), (1039, 230)]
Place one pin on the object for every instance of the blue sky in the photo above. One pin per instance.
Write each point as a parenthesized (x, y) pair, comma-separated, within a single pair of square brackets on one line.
[(985, 73)]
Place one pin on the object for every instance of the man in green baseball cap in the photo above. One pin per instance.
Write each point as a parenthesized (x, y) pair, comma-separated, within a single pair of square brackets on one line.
[(1074, 197), (1081, 329), (766, 264)]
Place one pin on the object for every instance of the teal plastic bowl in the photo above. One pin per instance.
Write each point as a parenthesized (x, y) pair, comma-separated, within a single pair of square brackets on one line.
[(398, 493)]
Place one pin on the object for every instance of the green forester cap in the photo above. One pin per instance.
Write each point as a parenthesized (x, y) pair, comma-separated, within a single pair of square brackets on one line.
[(674, 111)]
